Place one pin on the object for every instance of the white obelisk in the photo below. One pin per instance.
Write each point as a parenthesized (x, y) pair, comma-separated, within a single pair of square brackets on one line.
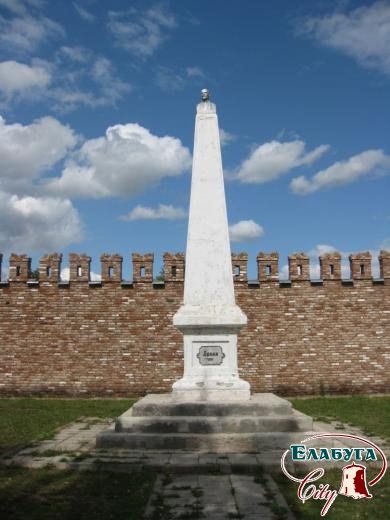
[(209, 317)]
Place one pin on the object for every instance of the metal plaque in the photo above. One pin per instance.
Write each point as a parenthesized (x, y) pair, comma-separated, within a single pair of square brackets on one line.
[(210, 355)]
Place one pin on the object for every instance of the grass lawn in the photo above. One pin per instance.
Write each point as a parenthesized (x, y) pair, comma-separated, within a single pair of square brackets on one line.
[(25, 420), (371, 414), (47, 494)]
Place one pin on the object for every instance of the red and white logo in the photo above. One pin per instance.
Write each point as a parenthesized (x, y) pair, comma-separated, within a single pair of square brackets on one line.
[(353, 478)]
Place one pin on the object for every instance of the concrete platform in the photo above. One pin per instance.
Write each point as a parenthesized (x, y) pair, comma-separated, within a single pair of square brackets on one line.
[(73, 448), (164, 404), (159, 422), (208, 424)]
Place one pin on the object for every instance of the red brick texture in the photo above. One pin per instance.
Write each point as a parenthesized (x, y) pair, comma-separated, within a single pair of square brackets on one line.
[(115, 338)]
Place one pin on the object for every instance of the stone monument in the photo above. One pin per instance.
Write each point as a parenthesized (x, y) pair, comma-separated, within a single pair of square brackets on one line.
[(210, 408), (209, 318)]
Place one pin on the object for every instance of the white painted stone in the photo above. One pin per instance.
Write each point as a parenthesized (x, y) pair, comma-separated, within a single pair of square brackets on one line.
[(209, 316)]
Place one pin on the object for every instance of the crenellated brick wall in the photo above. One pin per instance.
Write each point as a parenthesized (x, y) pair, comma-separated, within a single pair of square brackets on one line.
[(116, 338)]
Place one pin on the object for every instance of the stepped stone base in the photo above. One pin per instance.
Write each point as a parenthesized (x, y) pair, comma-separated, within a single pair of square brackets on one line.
[(159, 422)]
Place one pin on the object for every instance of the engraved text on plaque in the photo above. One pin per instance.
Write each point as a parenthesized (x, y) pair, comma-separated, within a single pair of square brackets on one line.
[(210, 355)]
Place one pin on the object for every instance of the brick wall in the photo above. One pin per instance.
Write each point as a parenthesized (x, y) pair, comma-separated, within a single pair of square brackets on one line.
[(116, 338)]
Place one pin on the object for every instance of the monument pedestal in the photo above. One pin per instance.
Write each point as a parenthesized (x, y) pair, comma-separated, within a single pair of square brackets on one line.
[(262, 423), (210, 354)]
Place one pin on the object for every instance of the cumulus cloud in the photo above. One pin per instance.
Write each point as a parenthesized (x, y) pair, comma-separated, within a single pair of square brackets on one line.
[(37, 223), (164, 211), (127, 160), (225, 137), (245, 230), (18, 78), (271, 160), (83, 13), (28, 151), (362, 34), (141, 33), (370, 162)]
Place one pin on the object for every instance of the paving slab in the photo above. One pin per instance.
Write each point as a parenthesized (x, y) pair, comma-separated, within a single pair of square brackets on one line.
[(214, 497)]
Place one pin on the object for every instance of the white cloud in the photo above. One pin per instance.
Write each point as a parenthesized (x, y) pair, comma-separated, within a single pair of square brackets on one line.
[(385, 244), (225, 137), (164, 211), (72, 68), (271, 160), (141, 33), (124, 162), (370, 162), (362, 34), (67, 99), (321, 249), (65, 275), (108, 88), (111, 87), (314, 254), (77, 54), (27, 151), (83, 13), (37, 223), (21, 6), (245, 230), (62, 82), (194, 72), (25, 33), (169, 80), (18, 78)]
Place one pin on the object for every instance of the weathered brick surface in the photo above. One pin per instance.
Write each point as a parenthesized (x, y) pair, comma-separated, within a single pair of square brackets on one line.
[(118, 339)]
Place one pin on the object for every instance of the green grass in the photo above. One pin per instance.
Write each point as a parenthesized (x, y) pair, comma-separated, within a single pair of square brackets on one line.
[(47, 494), (23, 421), (343, 507), (53, 494), (371, 414)]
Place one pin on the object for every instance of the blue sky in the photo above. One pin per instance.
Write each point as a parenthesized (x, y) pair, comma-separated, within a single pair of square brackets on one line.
[(97, 105)]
